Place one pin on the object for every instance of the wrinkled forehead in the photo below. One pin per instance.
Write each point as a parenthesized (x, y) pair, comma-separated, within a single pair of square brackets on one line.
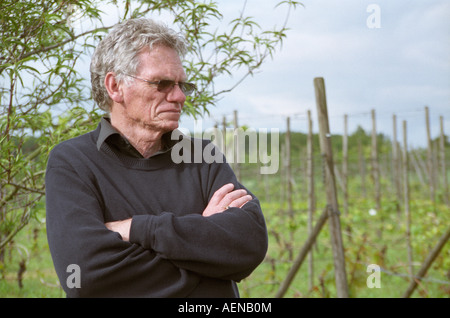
[(161, 62)]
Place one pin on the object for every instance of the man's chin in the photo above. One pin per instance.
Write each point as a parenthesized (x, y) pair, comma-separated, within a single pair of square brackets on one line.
[(170, 125)]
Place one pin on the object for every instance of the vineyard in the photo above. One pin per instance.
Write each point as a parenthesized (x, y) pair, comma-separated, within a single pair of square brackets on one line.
[(392, 201), (356, 215)]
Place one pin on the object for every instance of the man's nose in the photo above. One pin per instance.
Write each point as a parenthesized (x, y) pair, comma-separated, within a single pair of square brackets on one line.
[(176, 95)]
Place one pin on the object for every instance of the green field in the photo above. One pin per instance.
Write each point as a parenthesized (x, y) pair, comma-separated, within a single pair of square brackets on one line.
[(364, 244)]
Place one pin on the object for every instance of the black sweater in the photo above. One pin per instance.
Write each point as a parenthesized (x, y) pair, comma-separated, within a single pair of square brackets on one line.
[(173, 251)]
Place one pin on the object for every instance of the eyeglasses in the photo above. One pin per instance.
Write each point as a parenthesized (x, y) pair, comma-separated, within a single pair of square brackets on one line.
[(165, 86)]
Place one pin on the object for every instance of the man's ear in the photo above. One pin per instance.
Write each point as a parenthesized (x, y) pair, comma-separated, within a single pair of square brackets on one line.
[(113, 87)]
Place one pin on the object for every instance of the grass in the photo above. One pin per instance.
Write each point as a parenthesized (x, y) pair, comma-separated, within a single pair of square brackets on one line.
[(39, 279), (364, 244)]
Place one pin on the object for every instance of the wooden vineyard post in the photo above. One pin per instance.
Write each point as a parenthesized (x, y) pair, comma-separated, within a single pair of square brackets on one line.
[(331, 191), (311, 197), (288, 168), (406, 199), (362, 168), (236, 165), (430, 166), (289, 182), (427, 263), (375, 164), (345, 164), (224, 135), (307, 246), (395, 161), (442, 157)]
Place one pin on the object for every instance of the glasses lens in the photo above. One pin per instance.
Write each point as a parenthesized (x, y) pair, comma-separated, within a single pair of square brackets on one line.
[(187, 88), (165, 86)]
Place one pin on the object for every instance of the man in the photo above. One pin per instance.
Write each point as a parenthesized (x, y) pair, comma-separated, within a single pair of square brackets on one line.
[(135, 223)]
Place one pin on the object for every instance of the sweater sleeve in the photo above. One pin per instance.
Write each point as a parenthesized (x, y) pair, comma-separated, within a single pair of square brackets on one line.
[(227, 245), (108, 266)]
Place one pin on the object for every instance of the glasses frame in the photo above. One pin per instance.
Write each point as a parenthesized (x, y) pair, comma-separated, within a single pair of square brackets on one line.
[(186, 88)]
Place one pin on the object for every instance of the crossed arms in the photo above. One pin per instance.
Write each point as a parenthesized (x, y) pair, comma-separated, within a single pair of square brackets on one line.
[(222, 199)]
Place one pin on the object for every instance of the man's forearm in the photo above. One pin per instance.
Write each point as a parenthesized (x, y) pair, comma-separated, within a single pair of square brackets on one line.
[(222, 199), (122, 227), (226, 245)]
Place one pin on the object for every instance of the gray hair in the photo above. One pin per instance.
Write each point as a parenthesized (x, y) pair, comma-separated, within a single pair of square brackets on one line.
[(118, 52)]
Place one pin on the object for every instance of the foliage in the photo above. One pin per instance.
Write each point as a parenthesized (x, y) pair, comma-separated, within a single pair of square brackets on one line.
[(37, 55)]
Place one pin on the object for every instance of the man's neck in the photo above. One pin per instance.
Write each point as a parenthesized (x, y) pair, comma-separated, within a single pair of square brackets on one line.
[(143, 138)]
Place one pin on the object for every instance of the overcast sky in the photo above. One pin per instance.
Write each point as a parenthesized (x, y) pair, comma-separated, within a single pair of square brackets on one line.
[(397, 66)]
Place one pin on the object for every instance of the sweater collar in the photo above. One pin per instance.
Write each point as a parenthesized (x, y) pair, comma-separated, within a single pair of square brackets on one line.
[(111, 136)]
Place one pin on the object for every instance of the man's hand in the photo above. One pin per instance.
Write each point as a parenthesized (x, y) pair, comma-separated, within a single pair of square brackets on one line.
[(225, 198), (121, 227)]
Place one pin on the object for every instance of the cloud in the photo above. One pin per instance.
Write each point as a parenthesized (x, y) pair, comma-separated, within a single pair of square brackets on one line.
[(270, 105)]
